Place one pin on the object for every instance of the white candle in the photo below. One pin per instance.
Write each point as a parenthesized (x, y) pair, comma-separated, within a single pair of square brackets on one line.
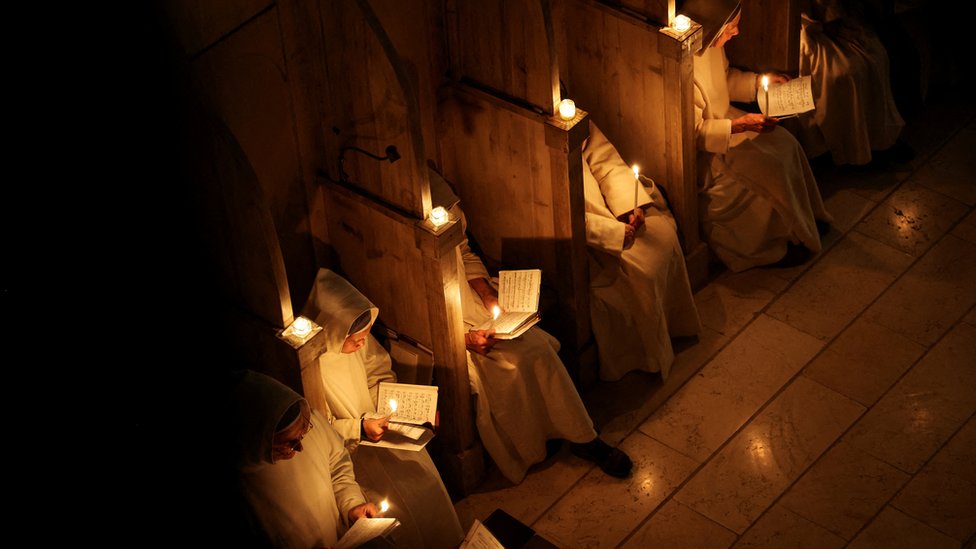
[(636, 187), (681, 23), (567, 109), (438, 216), (301, 327), (765, 85)]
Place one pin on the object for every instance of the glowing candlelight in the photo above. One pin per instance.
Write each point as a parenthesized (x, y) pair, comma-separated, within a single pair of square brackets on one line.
[(495, 311), (636, 186), (567, 109), (393, 406), (301, 327), (438, 216), (384, 506), (765, 85), (681, 23)]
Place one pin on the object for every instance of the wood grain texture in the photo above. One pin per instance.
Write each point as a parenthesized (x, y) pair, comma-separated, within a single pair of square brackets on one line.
[(769, 37)]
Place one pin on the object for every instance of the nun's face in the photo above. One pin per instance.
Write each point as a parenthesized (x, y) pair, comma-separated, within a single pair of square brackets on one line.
[(730, 30), (355, 341)]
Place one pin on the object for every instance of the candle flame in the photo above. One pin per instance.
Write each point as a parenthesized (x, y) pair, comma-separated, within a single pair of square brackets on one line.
[(495, 311), (681, 23), (384, 506), (393, 406), (302, 326), (636, 172), (765, 83)]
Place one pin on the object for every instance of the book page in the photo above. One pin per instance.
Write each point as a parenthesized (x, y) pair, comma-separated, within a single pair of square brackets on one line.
[(479, 537), (366, 529), (518, 291), (395, 439), (416, 404), (793, 97)]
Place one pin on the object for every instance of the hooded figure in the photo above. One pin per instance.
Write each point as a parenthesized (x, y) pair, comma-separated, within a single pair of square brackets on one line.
[(641, 296), (759, 201), (300, 493), (856, 115), (352, 368)]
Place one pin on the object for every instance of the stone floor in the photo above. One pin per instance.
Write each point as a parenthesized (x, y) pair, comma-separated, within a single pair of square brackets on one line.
[(826, 405)]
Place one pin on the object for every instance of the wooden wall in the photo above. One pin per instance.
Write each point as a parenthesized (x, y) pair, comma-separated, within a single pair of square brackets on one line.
[(769, 37)]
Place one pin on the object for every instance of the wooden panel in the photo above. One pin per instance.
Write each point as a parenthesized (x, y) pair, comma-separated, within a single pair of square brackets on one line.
[(241, 232), (199, 25), (504, 45), (412, 275), (379, 255), (519, 178), (371, 104), (769, 36), (656, 11), (243, 78)]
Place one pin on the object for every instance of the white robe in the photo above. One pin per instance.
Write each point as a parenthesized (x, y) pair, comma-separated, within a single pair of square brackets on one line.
[(524, 393), (408, 479), (856, 111), (641, 296), (757, 189), (300, 502)]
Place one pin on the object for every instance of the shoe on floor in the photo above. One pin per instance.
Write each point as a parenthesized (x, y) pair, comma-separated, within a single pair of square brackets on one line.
[(796, 254), (612, 461), (822, 227)]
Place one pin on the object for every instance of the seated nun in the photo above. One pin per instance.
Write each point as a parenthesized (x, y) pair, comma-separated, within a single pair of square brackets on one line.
[(295, 475), (759, 200), (525, 401), (352, 368), (640, 294)]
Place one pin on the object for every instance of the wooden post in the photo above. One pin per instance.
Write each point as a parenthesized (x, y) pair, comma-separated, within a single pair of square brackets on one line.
[(678, 50)]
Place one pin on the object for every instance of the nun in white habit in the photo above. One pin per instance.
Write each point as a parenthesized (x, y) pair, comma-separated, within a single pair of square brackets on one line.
[(759, 201), (641, 296), (295, 474), (524, 395), (352, 368), (856, 116)]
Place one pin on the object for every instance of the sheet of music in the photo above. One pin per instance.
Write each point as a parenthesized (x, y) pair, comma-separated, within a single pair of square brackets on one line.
[(518, 291)]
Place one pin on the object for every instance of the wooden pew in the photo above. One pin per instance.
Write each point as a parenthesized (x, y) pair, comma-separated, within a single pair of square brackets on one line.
[(769, 36), (518, 168)]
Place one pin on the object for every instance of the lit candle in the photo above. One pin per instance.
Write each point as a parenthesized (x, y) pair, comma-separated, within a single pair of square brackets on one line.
[(681, 23), (765, 85), (636, 187), (301, 327), (438, 216), (671, 12), (567, 109), (384, 506), (495, 311), (393, 406)]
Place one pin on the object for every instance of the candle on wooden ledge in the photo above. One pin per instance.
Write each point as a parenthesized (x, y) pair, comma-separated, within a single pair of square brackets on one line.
[(681, 23), (301, 327), (439, 216), (567, 109)]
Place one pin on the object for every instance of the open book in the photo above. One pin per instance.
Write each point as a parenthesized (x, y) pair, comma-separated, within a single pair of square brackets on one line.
[(518, 297), (416, 407), (479, 537), (366, 529), (787, 100)]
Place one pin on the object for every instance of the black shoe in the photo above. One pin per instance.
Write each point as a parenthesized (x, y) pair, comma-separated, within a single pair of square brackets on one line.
[(796, 254), (553, 446), (822, 227), (611, 460)]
